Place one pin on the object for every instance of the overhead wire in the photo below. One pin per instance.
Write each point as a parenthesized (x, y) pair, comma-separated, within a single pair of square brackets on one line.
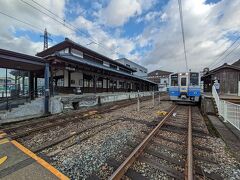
[(224, 58), (214, 63), (24, 22), (183, 36), (66, 24)]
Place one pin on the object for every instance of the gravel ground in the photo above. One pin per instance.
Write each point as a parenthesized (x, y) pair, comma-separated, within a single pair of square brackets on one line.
[(227, 166), (88, 157), (84, 158)]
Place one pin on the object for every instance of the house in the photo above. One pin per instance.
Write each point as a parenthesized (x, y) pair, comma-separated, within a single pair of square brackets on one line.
[(140, 70), (227, 75), (161, 78)]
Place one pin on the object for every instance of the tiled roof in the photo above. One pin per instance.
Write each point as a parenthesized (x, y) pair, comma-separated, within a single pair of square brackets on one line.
[(158, 73), (100, 66)]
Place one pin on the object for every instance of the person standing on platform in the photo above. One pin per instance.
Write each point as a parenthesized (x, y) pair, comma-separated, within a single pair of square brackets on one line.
[(217, 86)]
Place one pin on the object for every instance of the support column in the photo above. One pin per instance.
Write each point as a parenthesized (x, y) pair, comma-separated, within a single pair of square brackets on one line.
[(23, 84), (47, 91), (35, 86), (6, 87), (94, 84), (69, 79), (31, 85), (50, 84), (83, 84), (107, 84)]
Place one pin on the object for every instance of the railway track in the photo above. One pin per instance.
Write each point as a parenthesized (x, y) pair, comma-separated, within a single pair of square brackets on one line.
[(184, 124), (24, 131), (20, 130)]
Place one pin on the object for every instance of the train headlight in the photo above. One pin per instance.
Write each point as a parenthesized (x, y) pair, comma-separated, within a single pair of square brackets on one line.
[(186, 73), (180, 74)]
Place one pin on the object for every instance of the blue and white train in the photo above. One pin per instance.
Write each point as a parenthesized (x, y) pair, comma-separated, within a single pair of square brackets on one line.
[(185, 87)]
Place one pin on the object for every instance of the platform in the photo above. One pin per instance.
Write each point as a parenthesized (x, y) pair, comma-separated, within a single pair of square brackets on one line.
[(227, 97), (228, 133), (19, 163)]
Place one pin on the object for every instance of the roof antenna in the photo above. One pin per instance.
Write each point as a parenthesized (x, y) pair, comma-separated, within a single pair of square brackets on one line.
[(46, 38)]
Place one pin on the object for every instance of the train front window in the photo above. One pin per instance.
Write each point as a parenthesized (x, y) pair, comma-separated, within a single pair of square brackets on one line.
[(174, 80), (183, 81), (194, 81)]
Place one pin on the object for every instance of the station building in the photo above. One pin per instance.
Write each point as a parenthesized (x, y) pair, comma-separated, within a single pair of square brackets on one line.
[(139, 70), (227, 75), (73, 65), (161, 78)]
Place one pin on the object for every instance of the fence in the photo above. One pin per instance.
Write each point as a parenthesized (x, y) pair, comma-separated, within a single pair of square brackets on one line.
[(229, 111)]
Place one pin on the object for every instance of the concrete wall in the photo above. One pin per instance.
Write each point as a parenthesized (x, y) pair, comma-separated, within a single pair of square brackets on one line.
[(207, 106), (57, 104), (32, 109), (92, 100)]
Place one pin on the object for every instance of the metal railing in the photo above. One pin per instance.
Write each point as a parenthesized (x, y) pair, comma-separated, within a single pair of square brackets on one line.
[(230, 112)]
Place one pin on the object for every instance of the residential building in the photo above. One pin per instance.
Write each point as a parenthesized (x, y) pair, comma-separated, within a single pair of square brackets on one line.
[(139, 70), (227, 75), (161, 78)]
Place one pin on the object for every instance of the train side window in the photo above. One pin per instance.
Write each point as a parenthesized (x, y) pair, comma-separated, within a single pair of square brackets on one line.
[(174, 80), (183, 81), (194, 81)]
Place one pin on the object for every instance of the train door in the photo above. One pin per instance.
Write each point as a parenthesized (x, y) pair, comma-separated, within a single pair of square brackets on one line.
[(183, 85)]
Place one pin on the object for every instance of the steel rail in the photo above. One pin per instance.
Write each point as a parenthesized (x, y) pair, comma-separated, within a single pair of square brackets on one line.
[(47, 124), (138, 150), (189, 162)]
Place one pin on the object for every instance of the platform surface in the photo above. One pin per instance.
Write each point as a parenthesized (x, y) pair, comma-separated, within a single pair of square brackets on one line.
[(222, 96), (228, 134), (19, 163)]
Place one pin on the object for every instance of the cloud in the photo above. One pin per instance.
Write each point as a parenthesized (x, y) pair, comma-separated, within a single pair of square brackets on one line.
[(117, 13), (109, 44), (206, 29), (152, 16), (209, 29), (22, 11)]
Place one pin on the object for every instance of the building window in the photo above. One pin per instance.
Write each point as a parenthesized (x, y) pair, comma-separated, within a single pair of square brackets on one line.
[(88, 83), (81, 82), (77, 53), (113, 66), (106, 63), (127, 65), (60, 82), (66, 50), (120, 85), (72, 81), (99, 84)]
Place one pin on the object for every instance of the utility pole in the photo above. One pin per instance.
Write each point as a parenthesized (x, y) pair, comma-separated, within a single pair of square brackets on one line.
[(46, 38)]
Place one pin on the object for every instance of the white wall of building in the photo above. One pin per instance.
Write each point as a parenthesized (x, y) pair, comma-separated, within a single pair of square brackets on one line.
[(163, 84), (65, 78), (76, 79), (141, 71)]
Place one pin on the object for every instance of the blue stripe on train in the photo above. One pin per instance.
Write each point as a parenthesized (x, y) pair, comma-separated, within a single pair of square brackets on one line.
[(174, 91), (194, 91)]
